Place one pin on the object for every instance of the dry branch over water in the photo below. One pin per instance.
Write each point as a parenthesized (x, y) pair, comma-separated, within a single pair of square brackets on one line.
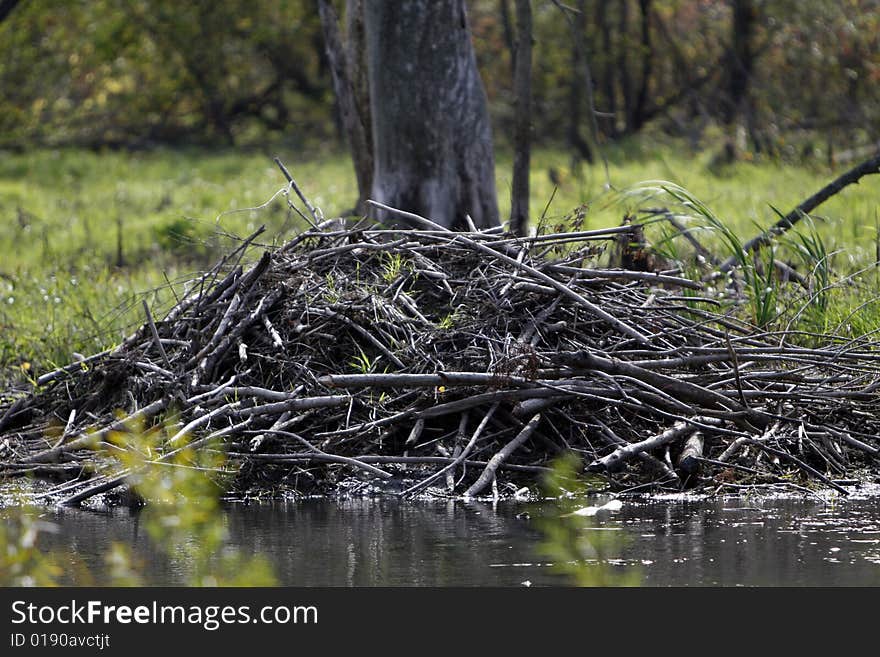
[(422, 360)]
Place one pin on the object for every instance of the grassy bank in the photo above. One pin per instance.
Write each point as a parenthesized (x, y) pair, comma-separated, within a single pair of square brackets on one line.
[(83, 236)]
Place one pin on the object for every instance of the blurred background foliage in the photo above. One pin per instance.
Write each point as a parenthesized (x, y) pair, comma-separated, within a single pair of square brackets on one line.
[(137, 73)]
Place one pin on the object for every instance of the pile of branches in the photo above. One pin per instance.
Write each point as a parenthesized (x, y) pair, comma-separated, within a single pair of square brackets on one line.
[(415, 360)]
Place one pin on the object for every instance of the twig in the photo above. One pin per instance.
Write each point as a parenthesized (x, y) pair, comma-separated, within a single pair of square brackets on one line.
[(803, 466), (501, 456), (90, 440), (108, 483), (459, 459), (613, 461), (389, 460), (333, 457), (472, 322), (852, 176), (316, 214), (155, 333), (552, 282)]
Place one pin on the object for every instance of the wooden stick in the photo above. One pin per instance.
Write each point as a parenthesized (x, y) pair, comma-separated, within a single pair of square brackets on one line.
[(155, 333), (448, 379), (416, 432), (737, 444), (651, 461), (852, 176), (48, 377), (108, 483), (626, 275), (460, 436), (89, 440), (276, 338), (332, 457), (613, 461), (593, 308), (803, 466), (316, 215), (19, 407), (200, 420), (687, 233), (460, 458), (402, 460), (501, 456), (691, 456), (296, 404), (263, 305)]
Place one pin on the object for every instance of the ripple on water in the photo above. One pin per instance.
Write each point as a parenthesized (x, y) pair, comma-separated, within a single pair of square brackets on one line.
[(671, 540)]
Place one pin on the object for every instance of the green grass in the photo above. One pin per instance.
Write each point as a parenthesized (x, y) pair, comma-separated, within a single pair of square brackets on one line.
[(63, 215), (740, 195)]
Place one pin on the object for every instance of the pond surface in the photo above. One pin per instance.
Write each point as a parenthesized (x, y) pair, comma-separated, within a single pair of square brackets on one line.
[(383, 542)]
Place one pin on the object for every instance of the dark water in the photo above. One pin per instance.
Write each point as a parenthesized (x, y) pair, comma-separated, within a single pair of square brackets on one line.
[(677, 542)]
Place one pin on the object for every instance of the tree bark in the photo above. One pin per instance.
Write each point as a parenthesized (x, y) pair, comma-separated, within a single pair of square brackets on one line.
[(432, 138), (356, 48), (522, 137)]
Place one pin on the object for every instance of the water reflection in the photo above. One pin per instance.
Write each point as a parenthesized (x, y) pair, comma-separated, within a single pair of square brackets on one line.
[(382, 542), (756, 543)]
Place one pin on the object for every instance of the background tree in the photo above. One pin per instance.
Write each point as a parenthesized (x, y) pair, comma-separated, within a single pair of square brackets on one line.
[(637, 115), (137, 73), (432, 138), (350, 85), (6, 7), (580, 147), (740, 68), (519, 193)]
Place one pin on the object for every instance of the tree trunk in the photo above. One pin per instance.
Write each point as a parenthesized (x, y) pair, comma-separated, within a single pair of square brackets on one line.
[(344, 73), (608, 83), (522, 132), (626, 88), (6, 7), (356, 47), (740, 71), (507, 30), (647, 53), (741, 57), (431, 134), (579, 145)]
